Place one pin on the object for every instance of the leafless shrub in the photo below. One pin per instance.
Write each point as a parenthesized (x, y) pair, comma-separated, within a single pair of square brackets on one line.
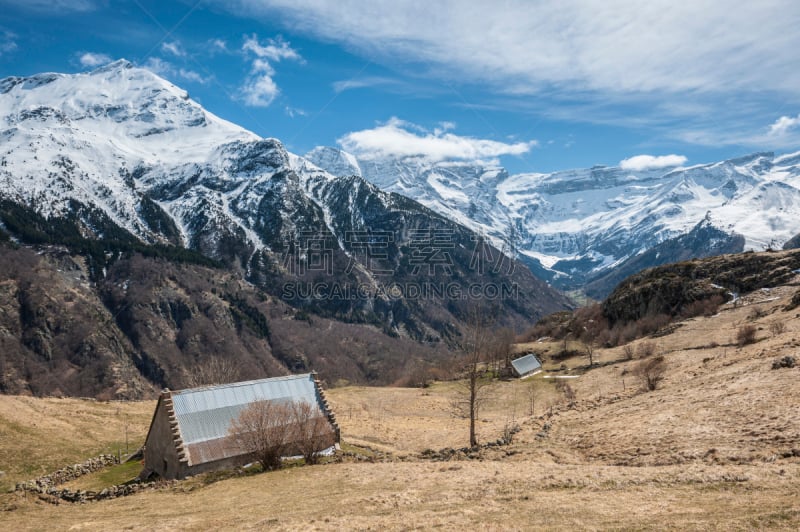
[(703, 307), (777, 327), (628, 352), (264, 429), (651, 372), (646, 349), (312, 432), (756, 313), (566, 390), (746, 334), (652, 323), (214, 370), (508, 432)]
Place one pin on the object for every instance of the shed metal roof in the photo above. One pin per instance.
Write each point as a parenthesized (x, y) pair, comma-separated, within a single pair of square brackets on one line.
[(205, 414), (527, 364)]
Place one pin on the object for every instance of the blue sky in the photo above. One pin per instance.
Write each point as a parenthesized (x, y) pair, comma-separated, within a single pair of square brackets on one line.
[(536, 86)]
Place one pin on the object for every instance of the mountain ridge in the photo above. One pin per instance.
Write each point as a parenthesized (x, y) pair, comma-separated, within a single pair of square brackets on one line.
[(135, 150), (573, 227)]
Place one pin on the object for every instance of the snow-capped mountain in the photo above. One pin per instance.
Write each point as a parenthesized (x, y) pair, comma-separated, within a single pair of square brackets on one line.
[(577, 225), (121, 149)]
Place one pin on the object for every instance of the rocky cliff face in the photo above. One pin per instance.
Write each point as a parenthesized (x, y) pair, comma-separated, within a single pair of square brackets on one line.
[(668, 289), (152, 323)]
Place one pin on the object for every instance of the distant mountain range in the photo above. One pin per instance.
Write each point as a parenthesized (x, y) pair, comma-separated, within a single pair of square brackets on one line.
[(589, 228)]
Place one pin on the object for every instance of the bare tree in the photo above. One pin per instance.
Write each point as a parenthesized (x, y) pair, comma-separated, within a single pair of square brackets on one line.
[(531, 397), (588, 346), (499, 349), (312, 432), (264, 429), (214, 370), (651, 372), (569, 394), (472, 392)]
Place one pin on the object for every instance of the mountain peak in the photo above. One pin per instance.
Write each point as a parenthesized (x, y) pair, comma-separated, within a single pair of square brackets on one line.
[(119, 64), (334, 161)]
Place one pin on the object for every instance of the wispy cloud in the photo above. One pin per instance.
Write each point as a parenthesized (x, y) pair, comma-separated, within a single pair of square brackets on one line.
[(652, 162), (53, 6), (173, 48), (260, 89), (92, 59), (292, 112), (8, 42), (401, 139), (168, 70), (583, 59), (360, 83), (218, 45), (617, 45)]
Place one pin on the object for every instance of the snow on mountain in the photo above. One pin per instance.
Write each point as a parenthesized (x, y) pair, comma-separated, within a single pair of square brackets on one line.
[(337, 162), (120, 144), (578, 224), (86, 137)]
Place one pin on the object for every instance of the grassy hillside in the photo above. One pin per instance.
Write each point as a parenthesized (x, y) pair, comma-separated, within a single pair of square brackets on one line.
[(716, 446)]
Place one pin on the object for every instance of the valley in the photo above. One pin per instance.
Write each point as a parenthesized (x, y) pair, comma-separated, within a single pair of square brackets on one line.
[(715, 446)]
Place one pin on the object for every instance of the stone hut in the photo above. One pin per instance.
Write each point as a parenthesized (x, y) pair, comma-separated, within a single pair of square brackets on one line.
[(189, 431)]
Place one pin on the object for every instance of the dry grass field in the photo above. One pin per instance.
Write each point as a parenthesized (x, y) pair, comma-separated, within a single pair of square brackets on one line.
[(715, 447)]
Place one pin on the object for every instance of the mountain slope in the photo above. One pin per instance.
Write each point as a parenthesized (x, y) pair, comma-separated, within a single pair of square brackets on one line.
[(150, 324), (577, 226), (121, 154)]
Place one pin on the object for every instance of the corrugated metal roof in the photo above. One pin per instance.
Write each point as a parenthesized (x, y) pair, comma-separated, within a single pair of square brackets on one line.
[(204, 414), (526, 364)]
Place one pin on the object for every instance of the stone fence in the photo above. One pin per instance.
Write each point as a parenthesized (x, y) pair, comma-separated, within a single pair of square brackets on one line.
[(45, 486)]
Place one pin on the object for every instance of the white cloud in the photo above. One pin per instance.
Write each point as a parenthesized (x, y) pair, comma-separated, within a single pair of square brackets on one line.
[(615, 45), (191, 75), (274, 50), (783, 125), (260, 89), (7, 42), (53, 6), (7, 46), (624, 62), (292, 112), (360, 83), (168, 70), (218, 45), (91, 59), (652, 162), (173, 48), (400, 139), (159, 66)]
